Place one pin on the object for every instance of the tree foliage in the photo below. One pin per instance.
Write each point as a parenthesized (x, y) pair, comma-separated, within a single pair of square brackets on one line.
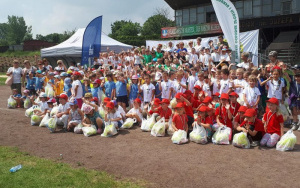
[(124, 28), (154, 24), (56, 37)]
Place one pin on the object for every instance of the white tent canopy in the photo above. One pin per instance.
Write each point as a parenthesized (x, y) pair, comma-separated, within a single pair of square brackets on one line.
[(72, 47)]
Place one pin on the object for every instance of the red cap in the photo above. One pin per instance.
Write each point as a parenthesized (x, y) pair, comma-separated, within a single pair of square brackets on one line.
[(276, 67), (207, 99), (106, 99), (234, 94), (201, 93), (179, 105), (202, 109), (94, 99), (76, 73), (156, 101), (242, 109), (97, 81), (224, 96), (250, 112), (110, 105), (197, 87), (166, 101), (101, 70), (274, 101), (178, 95), (188, 93), (63, 96), (138, 100), (216, 94)]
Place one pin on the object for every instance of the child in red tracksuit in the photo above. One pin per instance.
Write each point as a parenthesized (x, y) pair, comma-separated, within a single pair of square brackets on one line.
[(223, 113), (179, 121)]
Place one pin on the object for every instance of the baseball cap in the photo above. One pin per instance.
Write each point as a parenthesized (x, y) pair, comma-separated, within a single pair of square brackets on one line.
[(52, 100), (88, 95), (106, 99), (273, 100), (242, 109), (178, 95), (234, 94), (39, 71), (250, 112), (224, 96), (76, 73), (42, 94), (138, 100), (216, 94), (73, 102), (63, 96), (157, 101), (97, 81), (134, 77), (87, 109), (207, 99), (197, 87), (188, 93), (179, 105), (202, 109), (165, 101), (110, 105), (63, 74)]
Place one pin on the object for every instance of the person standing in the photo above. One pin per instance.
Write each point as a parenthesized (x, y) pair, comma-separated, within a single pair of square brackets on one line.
[(17, 73)]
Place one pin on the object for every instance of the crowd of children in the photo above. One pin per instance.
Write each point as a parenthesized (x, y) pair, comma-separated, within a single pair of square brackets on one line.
[(203, 90)]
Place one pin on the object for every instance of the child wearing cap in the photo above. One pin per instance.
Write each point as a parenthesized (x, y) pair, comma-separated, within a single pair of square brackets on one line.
[(179, 120), (63, 111), (204, 121), (113, 116), (164, 110), (136, 111), (239, 118), (188, 109), (39, 81), (133, 89), (75, 115), (50, 104), (234, 105), (121, 91), (26, 97), (96, 88), (155, 104), (252, 126), (30, 84), (216, 100), (110, 86), (92, 117), (17, 97), (251, 93), (223, 113), (42, 103), (273, 123)]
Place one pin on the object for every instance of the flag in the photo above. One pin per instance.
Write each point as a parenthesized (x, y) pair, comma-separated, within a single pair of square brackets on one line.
[(91, 43), (229, 21)]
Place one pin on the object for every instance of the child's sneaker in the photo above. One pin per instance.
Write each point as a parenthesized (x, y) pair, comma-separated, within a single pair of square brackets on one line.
[(254, 144), (295, 126)]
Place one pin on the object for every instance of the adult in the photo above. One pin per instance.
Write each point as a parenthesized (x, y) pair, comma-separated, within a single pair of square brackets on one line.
[(181, 47), (273, 59), (246, 61), (198, 45), (46, 65), (61, 67), (27, 69), (16, 72), (222, 43), (170, 47)]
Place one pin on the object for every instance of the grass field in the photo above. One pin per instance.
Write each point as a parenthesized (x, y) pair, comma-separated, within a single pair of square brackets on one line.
[(2, 78), (19, 53), (38, 172)]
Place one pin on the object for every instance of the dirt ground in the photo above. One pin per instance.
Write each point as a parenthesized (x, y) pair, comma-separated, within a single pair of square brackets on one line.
[(137, 155)]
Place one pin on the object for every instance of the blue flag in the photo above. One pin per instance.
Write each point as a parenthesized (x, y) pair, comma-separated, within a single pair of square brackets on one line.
[(91, 43)]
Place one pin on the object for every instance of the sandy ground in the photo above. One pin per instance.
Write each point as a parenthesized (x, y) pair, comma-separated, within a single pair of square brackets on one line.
[(137, 155)]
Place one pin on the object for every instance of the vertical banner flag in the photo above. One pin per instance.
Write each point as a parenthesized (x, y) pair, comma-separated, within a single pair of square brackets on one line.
[(91, 43), (229, 21)]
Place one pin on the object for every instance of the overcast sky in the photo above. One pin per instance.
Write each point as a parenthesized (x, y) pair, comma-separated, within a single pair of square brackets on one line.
[(56, 16)]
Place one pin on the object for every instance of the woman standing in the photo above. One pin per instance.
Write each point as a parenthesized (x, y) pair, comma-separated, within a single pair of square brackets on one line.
[(16, 73)]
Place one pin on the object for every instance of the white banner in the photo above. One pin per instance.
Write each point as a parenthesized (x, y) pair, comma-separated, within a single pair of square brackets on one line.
[(248, 43), (229, 21)]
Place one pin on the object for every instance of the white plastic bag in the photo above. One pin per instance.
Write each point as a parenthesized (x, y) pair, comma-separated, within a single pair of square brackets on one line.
[(145, 126), (27, 103), (170, 130), (287, 141), (109, 130), (102, 112), (198, 135), (35, 119), (240, 140), (283, 110), (29, 111), (215, 127), (45, 120), (54, 111), (89, 131), (128, 123), (11, 103), (159, 128), (49, 91), (78, 129), (179, 137), (52, 124), (222, 135)]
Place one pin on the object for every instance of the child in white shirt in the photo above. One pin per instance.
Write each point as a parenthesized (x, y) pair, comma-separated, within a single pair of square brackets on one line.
[(251, 93), (225, 81)]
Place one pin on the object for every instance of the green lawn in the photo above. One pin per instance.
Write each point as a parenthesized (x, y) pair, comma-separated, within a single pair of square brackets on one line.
[(38, 172), (2, 79), (19, 53)]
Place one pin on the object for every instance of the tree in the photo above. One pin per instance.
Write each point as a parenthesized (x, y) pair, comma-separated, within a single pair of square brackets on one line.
[(56, 37), (124, 28), (153, 24), (3, 34), (17, 29)]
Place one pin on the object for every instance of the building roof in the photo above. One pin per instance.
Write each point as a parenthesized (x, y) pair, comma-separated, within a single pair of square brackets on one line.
[(179, 4)]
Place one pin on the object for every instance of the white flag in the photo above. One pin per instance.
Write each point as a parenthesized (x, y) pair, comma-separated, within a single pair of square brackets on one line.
[(229, 21)]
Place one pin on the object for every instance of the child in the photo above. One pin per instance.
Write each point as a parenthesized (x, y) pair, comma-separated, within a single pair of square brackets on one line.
[(166, 87), (26, 98), (30, 85), (136, 111), (179, 121), (216, 100), (59, 85), (148, 90), (92, 117), (42, 103), (273, 123), (50, 104), (239, 83), (223, 113), (121, 90), (63, 111), (110, 87), (225, 81), (216, 82), (188, 109), (39, 81), (276, 86), (294, 93), (67, 86), (164, 110), (239, 118), (133, 89), (75, 117), (192, 80), (154, 107), (234, 105), (77, 91), (203, 121), (113, 116), (206, 86), (17, 97), (197, 90), (200, 80), (179, 85), (96, 88), (252, 126), (251, 93)]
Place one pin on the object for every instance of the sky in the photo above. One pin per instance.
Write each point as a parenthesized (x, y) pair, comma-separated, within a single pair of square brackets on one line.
[(57, 16)]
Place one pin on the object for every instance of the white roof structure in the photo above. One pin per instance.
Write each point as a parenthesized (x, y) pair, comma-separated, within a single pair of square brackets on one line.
[(72, 47)]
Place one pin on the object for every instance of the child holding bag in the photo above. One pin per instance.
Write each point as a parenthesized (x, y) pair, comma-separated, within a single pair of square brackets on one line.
[(179, 121)]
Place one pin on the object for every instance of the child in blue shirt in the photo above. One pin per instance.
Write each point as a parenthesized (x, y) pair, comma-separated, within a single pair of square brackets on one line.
[(121, 89), (133, 89), (67, 86), (30, 85), (110, 86), (39, 81)]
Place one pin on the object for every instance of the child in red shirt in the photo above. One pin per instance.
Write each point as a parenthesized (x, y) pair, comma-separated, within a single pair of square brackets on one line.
[(252, 126), (179, 121), (223, 113), (239, 118), (181, 98), (164, 110), (234, 105), (204, 121), (273, 122), (154, 107), (197, 89)]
